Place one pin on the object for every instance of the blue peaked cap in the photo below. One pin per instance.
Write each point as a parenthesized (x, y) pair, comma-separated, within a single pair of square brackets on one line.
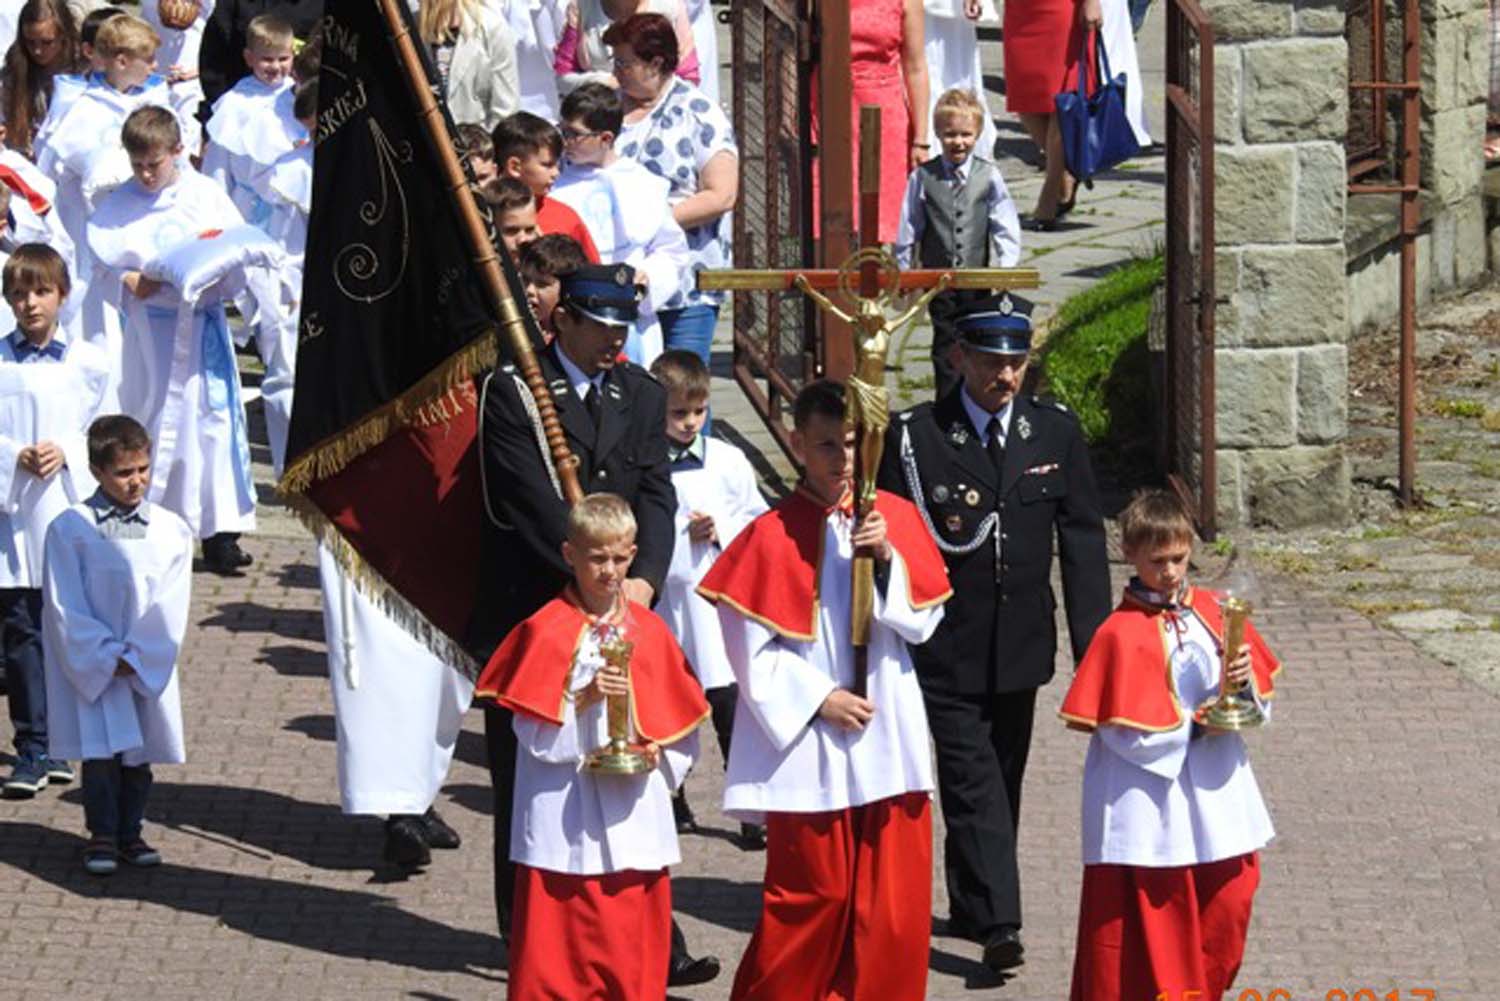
[(603, 292), (999, 326)]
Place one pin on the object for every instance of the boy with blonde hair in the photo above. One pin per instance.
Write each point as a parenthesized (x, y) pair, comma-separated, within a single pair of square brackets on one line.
[(957, 213), (81, 155), (241, 133), (1172, 818), (717, 496), (593, 901)]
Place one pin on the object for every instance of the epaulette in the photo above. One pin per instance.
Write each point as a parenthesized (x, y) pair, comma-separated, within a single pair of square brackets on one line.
[(1047, 401), (509, 368)]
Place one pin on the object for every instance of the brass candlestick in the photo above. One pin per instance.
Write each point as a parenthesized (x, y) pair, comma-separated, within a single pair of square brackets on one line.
[(617, 757), (1235, 708)]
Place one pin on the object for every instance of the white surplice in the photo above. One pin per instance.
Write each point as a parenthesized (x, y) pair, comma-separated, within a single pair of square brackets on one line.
[(952, 50), (723, 487), (1172, 799), (784, 757), (182, 384), (77, 144), (43, 401), (399, 708), (566, 818), (244, 135), (180, 47), (286, 186), (625, 208), (107, 600)]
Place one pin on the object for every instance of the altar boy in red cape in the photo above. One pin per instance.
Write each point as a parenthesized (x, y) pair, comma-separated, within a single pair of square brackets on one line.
[(1172, 817), (593, 906), (842, 780)]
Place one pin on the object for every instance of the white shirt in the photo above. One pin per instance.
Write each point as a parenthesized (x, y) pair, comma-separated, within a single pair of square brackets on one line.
[(784, 757), (567, 819), (1170, 799), (1004, 223), (580, 383), (980, 418)]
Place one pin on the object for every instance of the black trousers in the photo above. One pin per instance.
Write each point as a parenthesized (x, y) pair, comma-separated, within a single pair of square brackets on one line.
[(25, 677), (944, 310), (500, 754), (982, 742)]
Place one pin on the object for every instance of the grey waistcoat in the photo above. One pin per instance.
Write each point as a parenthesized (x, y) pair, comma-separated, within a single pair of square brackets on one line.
[(957, 229)]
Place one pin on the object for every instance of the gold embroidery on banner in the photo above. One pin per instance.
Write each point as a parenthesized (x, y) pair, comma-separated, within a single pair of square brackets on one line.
[(357, 264)]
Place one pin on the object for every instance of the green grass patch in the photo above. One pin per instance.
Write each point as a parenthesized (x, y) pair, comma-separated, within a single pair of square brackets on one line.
[(1458, 408), (1095, 360)]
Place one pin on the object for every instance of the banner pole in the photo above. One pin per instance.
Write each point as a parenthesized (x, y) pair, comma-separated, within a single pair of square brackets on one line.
[(486, 258)]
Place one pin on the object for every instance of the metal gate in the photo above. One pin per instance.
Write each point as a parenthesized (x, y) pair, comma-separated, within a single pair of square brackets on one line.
[(1365, 31), (1190, 439), (774, 332)]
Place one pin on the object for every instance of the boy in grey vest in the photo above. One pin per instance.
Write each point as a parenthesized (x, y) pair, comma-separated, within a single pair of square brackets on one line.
[(956, 213)]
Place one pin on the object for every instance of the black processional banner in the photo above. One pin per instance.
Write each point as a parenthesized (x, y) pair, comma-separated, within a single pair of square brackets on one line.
[(395, 325)]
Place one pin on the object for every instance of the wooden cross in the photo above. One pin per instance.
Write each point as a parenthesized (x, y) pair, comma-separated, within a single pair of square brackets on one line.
[(879, 282)]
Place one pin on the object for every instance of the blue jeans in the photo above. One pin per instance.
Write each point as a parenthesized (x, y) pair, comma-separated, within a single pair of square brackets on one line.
[(691, 328), (114, 798), (25, 676)]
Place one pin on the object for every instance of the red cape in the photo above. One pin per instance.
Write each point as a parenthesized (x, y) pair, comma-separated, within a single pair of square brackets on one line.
[(34, 198), (530, 671), (770, 571), (1125, 679)]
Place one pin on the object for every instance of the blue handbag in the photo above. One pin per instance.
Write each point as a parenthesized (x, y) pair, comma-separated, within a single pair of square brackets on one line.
[(1096, 135)]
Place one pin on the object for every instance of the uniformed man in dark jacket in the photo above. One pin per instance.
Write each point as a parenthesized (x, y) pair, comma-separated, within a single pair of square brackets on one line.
[(614, 415), (995, 474)]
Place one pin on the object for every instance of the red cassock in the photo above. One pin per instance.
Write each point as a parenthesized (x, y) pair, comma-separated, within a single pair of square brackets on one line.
[(596, 937), (1146, 930), (846, 906)]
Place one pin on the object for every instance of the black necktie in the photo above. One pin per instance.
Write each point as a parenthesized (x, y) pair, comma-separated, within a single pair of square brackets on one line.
[(591, 403), (996, 445)]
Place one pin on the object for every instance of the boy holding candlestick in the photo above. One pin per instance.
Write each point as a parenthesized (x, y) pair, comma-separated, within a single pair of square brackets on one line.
[(1172, 818)]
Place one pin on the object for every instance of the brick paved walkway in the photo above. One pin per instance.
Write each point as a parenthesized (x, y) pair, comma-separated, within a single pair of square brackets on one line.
[(1380, 772)]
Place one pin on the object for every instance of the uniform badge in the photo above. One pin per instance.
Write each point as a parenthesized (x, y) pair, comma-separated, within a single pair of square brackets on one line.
[(939, 494), (953, 523), (971, 498), (957, 435), (1023, 427)]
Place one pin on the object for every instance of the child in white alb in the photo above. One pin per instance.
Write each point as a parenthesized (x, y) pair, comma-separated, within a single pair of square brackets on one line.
[(116, 588), (717, 496), (246, 114)]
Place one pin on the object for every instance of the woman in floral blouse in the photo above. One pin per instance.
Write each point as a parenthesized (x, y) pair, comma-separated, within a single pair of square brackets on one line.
[(675, 131)]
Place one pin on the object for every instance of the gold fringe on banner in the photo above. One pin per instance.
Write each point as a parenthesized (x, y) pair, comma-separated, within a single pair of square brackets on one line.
[(330, 456), (368, 582)]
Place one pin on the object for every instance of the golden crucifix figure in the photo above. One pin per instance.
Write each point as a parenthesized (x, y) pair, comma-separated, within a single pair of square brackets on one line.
[(867, 403)]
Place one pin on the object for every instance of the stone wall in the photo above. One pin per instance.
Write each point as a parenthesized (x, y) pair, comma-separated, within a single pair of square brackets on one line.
[(1281, 103), (1458, 245)]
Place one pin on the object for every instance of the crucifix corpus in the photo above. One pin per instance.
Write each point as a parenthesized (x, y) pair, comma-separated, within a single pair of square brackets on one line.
[(868, 283)]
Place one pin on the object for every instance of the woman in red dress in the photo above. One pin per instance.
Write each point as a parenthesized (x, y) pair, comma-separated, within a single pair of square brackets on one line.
[(1041, 58), (888, 67)]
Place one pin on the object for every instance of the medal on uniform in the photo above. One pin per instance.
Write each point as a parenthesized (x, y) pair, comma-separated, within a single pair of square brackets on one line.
[(939, 494), (954, 523), (972, 497)]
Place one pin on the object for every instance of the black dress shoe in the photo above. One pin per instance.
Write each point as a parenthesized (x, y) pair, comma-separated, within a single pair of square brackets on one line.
[(1038, 225), (686, 971), (406, 841), (753, 837), (438, 833), (682, 813), (221, 556), (961, 927), (1003, 949)]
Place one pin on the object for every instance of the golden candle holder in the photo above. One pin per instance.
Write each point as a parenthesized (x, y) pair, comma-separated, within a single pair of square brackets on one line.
[(617, 757), (1234, 708)]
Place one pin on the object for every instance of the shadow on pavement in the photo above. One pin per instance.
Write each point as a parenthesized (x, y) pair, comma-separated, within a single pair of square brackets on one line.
[(253, 617), (295, 661), (337, 922), (721, 902)]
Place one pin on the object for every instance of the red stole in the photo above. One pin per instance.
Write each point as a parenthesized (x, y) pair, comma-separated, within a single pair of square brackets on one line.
[(1125, 677), (770, 571), (16, 183), (530, 672)]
